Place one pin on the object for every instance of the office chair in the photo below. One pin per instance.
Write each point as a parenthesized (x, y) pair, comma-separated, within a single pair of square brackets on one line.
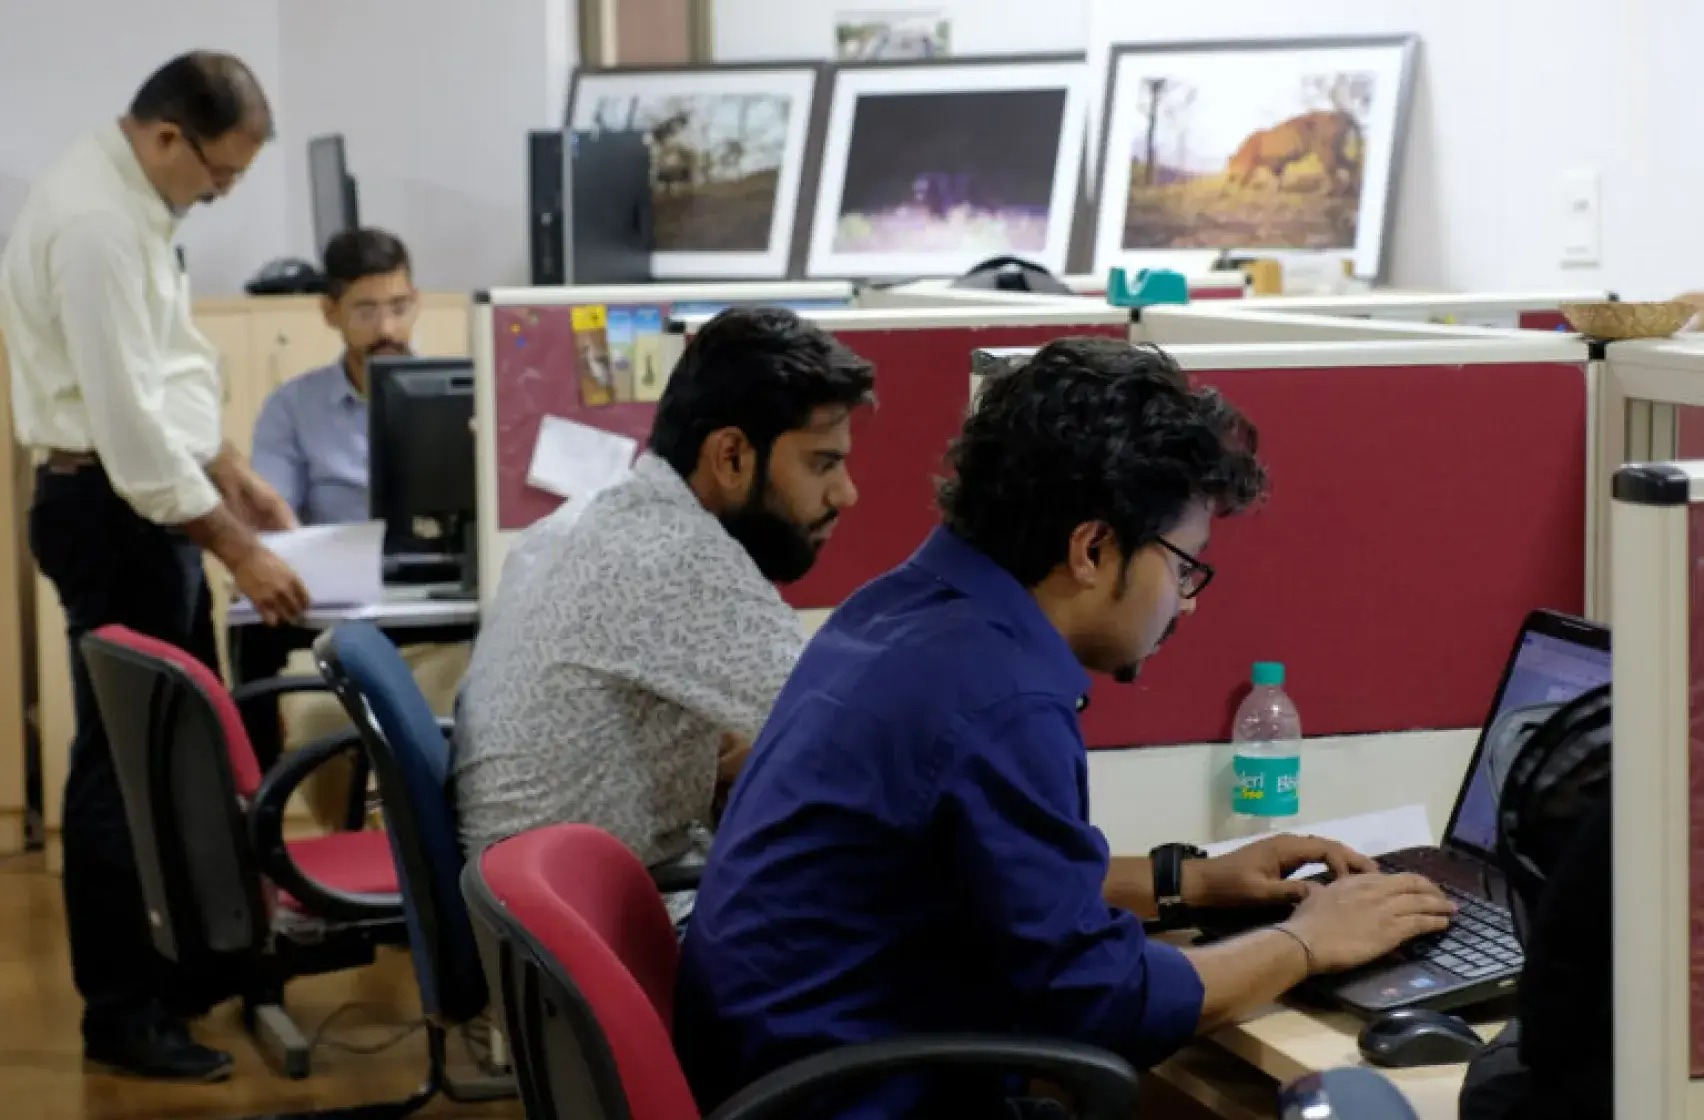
[(577, 943), (224, 889), (1351, 1093), (409, 750)]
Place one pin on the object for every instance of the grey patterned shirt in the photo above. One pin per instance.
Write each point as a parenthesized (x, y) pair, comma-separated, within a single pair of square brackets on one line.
[(624, 640)]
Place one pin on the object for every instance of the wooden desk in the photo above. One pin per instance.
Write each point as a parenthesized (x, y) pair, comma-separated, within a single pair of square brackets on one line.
[(1235, 1073)]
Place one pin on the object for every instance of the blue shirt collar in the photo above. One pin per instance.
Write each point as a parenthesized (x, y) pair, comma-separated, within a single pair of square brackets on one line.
[(955, 562), (343, 390)]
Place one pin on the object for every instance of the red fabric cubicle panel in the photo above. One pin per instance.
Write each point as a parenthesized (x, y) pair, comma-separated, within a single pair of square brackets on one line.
[(536, 373), (922, 390), (1417, 514), (1543, 321)]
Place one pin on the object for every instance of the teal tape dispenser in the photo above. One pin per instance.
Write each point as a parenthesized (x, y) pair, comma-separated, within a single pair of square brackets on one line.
[(1153, 286)]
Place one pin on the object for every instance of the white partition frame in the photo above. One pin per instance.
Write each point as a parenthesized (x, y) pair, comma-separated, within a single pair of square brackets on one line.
[(1063, 312), (1424, 305), (1651, 562), (1216, 322)]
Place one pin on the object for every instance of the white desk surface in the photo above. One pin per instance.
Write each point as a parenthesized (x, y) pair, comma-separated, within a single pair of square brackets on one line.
[(401, 608)]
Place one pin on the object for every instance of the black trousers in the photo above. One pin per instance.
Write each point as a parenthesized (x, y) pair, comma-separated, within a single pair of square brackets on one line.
[(109, 565)]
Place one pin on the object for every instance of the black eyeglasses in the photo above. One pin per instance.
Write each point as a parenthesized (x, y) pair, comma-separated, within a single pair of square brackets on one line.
[(1193, 574), (222, 177)]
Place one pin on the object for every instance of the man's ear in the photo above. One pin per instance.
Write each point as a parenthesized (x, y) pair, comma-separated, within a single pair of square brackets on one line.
[(1083, 554), (328, 308), (729, 458)]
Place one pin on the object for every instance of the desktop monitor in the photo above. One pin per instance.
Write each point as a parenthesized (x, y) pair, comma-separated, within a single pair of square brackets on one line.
[(420, 454), (331, 190)]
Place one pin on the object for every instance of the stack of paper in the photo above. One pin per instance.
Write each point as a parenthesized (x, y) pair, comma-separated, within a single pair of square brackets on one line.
[(342, 565)]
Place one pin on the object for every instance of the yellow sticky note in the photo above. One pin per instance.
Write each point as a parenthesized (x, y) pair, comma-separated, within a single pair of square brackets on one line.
[(591, 318)]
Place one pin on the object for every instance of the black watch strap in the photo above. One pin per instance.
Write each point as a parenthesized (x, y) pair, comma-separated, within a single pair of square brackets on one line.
[(1168, 880)]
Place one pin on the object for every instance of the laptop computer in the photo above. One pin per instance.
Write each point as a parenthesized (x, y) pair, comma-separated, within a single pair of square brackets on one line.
[(1556, 658)]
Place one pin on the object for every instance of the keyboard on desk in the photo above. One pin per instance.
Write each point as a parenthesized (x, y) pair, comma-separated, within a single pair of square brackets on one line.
[(1479, 943), (1475, 960)]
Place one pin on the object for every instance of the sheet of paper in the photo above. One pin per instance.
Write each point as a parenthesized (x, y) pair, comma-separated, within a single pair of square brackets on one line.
[(574, 460), (1372, 834), (342, 565)]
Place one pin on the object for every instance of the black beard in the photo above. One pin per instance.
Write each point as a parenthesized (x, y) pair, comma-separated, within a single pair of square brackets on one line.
[(782, 551)]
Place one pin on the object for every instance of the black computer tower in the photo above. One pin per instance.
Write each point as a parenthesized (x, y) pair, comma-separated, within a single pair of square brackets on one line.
[(591, 219)]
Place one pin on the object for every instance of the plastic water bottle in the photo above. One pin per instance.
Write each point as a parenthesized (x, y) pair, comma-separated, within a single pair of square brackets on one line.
[(1266, 766)]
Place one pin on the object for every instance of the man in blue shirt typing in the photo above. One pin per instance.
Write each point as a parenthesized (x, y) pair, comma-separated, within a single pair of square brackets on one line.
[(908, 849)]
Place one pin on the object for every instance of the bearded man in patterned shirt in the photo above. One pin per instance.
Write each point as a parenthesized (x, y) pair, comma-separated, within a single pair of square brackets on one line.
[(636, 646)]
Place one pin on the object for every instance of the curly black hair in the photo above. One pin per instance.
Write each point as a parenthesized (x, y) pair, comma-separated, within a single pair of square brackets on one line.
[(762, 370), (1092, 429)]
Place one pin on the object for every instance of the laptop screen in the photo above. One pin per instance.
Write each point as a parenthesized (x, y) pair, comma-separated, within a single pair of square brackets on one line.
[(1547, 673)]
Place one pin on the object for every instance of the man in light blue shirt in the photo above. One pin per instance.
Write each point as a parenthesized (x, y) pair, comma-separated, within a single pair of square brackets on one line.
[(310, 441)]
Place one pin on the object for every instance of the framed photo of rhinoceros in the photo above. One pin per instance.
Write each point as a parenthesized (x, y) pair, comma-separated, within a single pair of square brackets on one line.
[(930, 168), (1274, 148), (728, 157)]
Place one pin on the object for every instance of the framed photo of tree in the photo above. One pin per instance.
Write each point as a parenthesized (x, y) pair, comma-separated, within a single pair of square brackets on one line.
[(1279, 148)]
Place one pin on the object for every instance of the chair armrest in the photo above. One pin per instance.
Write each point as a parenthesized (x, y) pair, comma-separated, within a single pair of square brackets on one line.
[(272, 687), (679, 874), (266, 835), (1101, 1084)]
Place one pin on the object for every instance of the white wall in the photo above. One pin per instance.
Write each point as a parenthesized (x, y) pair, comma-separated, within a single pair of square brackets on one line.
[(755, 30), (1511, 94), (68, 66), (434, 98)]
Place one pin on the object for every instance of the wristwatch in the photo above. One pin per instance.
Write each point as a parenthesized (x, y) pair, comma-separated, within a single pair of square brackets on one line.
[(1168, 880)]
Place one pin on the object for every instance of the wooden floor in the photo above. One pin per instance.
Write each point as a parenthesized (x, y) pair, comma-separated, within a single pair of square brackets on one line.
[(42, 1075)]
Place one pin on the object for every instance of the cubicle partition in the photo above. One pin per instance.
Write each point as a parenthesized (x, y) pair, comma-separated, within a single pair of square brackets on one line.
[(529, 358), (1425, 497), (1505, 310), (1658, 888), (1216, 286)]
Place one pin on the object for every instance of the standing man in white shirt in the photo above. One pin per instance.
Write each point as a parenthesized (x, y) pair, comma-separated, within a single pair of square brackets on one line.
[(117, 395)]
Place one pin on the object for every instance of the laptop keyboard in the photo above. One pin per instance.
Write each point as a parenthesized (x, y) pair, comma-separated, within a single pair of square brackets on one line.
[(1479, 943)]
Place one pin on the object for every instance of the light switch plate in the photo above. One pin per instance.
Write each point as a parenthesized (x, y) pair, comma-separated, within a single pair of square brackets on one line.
[(1581, 217)]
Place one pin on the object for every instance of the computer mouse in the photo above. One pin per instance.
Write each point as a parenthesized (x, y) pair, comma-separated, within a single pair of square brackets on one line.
[(1413, 1036)]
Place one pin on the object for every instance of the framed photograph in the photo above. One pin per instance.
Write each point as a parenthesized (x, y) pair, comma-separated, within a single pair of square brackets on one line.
[(862, 36), (727, 159), (930, 168), (1279, 148)]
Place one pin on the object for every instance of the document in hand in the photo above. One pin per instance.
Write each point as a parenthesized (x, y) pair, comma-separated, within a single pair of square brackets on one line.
[(342, 565)]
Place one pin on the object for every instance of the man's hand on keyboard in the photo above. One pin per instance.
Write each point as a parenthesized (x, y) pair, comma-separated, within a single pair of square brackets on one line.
[(1359, 918), (1255, 874)]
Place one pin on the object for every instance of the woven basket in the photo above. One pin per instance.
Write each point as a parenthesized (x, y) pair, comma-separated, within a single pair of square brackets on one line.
[(1628, 320)]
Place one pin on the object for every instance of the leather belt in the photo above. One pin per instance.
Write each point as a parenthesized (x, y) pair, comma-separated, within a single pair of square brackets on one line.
[(68, 462)]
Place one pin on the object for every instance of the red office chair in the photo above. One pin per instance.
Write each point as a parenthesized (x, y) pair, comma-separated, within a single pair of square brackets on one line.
[(224, 889), (578, 948)]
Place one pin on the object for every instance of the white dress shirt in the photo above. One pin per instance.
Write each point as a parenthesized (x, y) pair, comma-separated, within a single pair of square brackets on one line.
[(96, 316)]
